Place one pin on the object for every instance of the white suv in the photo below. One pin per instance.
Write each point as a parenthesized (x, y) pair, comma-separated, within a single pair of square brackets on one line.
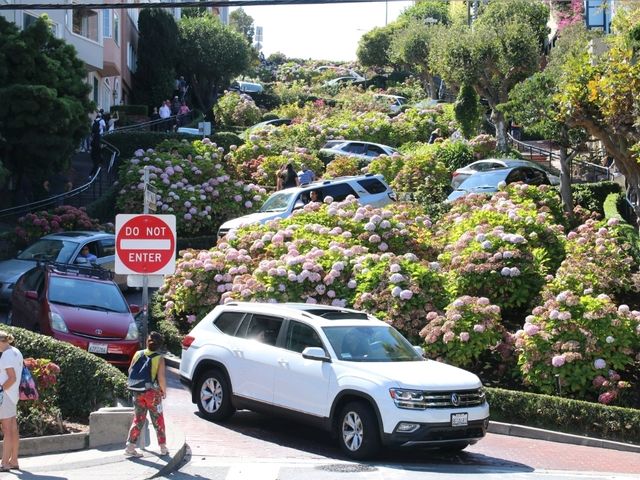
[(335, 368), (368, 189)]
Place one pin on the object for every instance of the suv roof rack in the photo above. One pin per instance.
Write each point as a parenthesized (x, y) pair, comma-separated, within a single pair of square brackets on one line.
[(93, 271)]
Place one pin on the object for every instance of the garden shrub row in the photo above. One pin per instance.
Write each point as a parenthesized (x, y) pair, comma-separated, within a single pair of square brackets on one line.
[(86, 382), (592, 195), (565, 415), (129, 142)]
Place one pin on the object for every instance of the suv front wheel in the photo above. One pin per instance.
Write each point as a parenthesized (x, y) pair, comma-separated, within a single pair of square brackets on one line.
[(214, 395), (358, 431)]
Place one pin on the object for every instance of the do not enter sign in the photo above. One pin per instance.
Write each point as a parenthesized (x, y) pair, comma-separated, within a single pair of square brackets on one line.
[(145, 244)]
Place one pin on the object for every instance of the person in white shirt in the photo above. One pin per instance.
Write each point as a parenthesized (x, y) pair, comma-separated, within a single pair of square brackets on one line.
[(165, 113), (10, 373)]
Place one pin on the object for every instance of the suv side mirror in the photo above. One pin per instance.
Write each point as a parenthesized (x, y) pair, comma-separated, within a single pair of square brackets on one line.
[(298, 205), (315, 353), (81, 261), (419, 350), (134, 309)]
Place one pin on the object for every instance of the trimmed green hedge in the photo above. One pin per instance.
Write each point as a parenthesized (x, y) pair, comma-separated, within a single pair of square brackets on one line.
[(141, 110), (592, 195), (104, 207), (86, 382), (200, 243), (565, 415), (129, 142)]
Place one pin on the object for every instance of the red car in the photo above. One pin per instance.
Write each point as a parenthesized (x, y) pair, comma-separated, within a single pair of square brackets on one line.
[(80, 305)]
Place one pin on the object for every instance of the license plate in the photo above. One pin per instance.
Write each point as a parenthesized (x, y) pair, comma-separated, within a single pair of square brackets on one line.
[(459, 419), (98, 348)]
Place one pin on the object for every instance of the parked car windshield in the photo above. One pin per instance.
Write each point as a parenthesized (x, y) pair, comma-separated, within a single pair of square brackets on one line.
[(46, 249), (488, 179), (87, 294), (370, 344), (278, 202)]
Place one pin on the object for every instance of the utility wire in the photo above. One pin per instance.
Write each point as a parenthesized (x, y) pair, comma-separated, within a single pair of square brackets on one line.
[(177, 4)]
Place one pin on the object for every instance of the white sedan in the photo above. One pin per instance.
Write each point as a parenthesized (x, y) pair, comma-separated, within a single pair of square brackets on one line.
[(365, 151)]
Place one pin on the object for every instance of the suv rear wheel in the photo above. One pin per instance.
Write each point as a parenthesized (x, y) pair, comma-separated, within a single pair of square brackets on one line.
[(358, 431), (214, 395)]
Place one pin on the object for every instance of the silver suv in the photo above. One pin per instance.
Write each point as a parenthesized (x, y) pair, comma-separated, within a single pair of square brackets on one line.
[(339, 369), (368, 189)]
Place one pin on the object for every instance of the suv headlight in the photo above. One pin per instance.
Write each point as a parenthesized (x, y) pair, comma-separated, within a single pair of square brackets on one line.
[(410, 399), (132, 333), (57, 323)]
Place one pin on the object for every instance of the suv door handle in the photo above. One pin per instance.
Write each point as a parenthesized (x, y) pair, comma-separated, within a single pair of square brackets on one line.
[(237, 351), (283, 362)]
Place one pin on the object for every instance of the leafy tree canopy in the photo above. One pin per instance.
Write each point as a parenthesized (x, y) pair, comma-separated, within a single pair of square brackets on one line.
[(373, 47), (242, 23), (427, 11), (211, 54), (46, 107), (157, 56)]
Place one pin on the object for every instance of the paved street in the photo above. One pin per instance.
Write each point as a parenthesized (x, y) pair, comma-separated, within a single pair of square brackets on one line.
[(254, 446)]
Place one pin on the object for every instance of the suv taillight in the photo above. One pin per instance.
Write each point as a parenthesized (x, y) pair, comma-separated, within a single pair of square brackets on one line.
[(392, 196), (187, 341)]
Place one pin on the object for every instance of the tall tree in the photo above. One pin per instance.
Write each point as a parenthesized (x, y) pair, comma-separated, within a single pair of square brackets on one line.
[(374, 46), (211, 54), (535, 102), (410, 48), (428, 12), (242, 23), (154, 80), (45, 110), (600, 94), (503, 48)]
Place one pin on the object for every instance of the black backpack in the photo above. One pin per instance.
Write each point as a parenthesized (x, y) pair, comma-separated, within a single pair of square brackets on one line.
[(140, 373), (95, 127)]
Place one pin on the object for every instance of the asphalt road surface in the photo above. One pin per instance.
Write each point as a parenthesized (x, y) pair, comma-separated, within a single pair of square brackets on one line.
[(253, 446)]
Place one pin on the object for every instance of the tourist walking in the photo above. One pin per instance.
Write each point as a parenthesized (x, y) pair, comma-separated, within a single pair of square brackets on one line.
[(11, 365), (287, 177), (148, 383)]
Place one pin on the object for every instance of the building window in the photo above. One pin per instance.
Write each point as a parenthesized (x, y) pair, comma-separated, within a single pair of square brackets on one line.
[(28, 20), (96, 91), (116, 28), (132, 59), (106, 24), (85, 24)]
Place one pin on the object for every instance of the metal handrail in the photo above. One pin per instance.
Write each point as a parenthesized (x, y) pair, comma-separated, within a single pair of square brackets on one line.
[(151, 123), (53, 200)]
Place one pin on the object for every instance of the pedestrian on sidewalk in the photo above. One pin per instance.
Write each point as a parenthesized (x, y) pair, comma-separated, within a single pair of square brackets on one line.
[(10, 373), (148, 383)]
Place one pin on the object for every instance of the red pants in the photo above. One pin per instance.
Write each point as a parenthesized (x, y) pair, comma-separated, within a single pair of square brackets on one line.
[(148, 401)]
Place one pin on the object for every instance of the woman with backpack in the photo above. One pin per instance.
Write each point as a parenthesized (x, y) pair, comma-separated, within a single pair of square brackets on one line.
[(148, 383), (10, 373)]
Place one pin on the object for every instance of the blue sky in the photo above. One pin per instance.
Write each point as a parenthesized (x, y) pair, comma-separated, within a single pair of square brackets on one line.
[(327, 32)]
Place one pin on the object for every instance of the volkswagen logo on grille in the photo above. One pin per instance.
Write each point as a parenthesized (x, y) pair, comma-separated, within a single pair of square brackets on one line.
[(99, 332), (455, 399)]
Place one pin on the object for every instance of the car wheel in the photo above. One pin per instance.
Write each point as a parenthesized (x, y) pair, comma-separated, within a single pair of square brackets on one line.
[(358, 431), (214, 395)]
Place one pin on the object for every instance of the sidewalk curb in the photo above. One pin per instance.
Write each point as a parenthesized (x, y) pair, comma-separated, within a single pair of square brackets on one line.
[(551, 436)]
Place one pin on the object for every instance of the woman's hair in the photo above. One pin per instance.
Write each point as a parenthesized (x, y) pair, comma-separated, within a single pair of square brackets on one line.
[(6, 337), (155, 341)]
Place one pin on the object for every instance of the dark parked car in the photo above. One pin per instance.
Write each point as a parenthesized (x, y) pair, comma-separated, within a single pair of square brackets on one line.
[(78, 304), (488, 182)]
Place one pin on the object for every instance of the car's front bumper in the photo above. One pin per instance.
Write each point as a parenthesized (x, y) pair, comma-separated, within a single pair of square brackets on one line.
[(119, 352), (438, 434)]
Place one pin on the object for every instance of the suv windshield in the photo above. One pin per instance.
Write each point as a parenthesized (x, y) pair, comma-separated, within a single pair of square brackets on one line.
[(53, 250), (278, 202), (370, 344), (84, 293)]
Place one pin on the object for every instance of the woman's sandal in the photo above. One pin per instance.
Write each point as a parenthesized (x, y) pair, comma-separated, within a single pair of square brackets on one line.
[(5, 468), (14, 467)]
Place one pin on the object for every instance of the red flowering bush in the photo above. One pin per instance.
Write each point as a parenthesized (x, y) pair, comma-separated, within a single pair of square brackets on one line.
[(39, 417), (63, 218)]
